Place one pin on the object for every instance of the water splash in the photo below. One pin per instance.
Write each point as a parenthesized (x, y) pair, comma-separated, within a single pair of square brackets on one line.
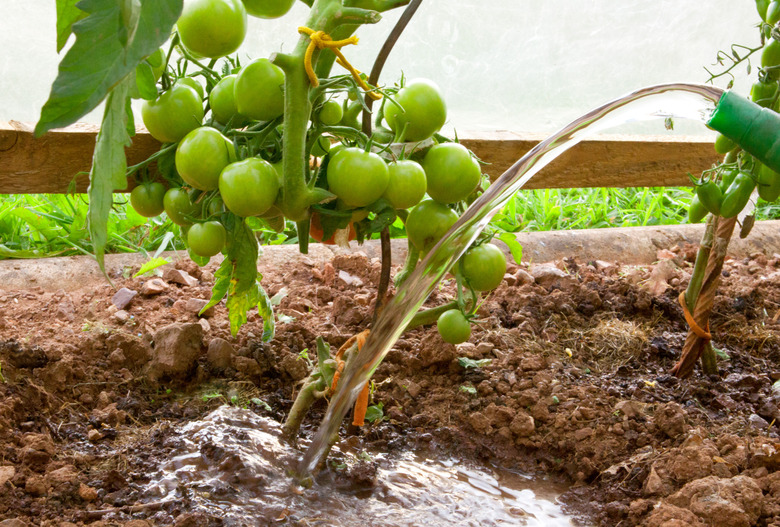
[(685, 101)]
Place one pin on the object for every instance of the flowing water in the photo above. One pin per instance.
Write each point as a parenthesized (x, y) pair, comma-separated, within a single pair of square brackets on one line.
[(234, 465), (686, 101)]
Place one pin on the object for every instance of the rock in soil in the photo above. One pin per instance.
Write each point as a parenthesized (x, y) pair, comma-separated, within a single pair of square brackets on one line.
[(176, 349)]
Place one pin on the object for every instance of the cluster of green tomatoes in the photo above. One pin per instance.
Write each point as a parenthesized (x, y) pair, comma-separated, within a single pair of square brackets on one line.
[(726, 190), (228, 137)]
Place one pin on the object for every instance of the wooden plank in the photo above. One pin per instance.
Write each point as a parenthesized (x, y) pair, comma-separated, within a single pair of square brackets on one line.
[(50, 163)]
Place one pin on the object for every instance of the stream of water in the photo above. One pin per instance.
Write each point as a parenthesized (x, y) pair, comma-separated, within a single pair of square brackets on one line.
[(685, 101)]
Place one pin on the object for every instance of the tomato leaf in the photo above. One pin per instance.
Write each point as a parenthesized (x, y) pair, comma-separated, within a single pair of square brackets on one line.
[(108, 168), (514, 246), (151, 265), (266, 310), (374, 413), (144, 79), (111, 41), (67, 15), (221, 284)]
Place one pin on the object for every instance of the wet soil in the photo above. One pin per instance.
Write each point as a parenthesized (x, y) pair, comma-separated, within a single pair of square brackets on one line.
[(94, 400)]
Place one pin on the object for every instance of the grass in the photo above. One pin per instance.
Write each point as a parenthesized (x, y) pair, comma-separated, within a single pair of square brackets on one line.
[(38, 225)]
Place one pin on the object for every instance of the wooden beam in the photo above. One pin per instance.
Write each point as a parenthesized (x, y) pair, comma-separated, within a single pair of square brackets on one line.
[(51, 163)]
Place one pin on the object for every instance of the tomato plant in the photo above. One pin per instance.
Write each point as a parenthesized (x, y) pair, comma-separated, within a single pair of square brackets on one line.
[(317, 233), (418, 108), (249, 187), (428, 222), (330, 113), (453, 326), (259, 90), (358, 177), (483, 267), (201, 156), (178, 206), (452, 172), (212, 28), (147, 199), (222, 100), (174, 114), (710, 196), (737, 195), (207, 239)]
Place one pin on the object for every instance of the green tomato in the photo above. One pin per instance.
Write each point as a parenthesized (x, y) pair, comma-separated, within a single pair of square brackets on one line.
[(192, 83), (249, 187), (770, 59), (178, 206), (422, 110), (212, 28), (483, 267), (330, 113), (696, 211), (207, 239), (762, 6), (407, 184), (724, 145), (358, 177), (762, 93), (201, 156), (428, 221), (259, 90), (768, 183), (452, 172), (268, 8), (773, 13), (222, 100), (737, 195), (453, 327), (174, 114), (710, 196), (147, 199), (321, 146)]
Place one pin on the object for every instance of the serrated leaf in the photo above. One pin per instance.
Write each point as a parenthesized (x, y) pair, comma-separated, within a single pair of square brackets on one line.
[(239, 304), (67, 15), (106, 51), (145, 81), (374, 413), (108, 168), (221, 284), (467, 363), (514, 246), (151, 265)]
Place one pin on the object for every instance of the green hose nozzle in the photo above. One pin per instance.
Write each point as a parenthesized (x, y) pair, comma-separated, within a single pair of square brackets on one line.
[(755, 129)]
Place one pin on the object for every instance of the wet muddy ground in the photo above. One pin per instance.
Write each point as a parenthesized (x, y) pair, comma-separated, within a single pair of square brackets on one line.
[(101, 408)]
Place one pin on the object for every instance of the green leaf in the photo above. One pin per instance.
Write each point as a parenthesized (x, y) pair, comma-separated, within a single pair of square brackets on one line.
[(259, 402), (239, 304), (469, 390), (467, 363), (514, 246), (374, 413), (221, 284), (151, 265), (67, 15), (145, 81), (200, 260), (111, 41), (266, 310), (108, 168), (325, 365)]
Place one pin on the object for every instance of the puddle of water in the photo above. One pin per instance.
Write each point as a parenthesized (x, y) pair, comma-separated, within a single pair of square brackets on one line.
[(233, 465)]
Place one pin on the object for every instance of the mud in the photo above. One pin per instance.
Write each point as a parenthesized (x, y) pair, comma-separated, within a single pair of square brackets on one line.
[(95, 401)]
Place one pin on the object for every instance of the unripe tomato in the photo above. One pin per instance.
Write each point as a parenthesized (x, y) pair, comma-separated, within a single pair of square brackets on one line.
[(451, 171), (428, 221), (453, 327), (147, 199), (768, 183), (737, 195), (483, 267), (762, 6), (192, 83), (207, 239), (174, 114), (710, 196), (259, 90), (724, 145), (696, 211), (358, 177), (407, 184), (201, 156), (212, 28), (773, 13), (330, 113), (770, 58), (320, 147), (222, 100), (268, 8), (249, 187), (178, 206), (762, 93), (422, 108)]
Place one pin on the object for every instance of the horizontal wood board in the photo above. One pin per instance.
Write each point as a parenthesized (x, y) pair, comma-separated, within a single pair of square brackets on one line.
[(49, 164)]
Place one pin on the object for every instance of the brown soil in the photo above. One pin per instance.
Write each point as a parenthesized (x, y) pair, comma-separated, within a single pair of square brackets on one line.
[(577, 387)]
